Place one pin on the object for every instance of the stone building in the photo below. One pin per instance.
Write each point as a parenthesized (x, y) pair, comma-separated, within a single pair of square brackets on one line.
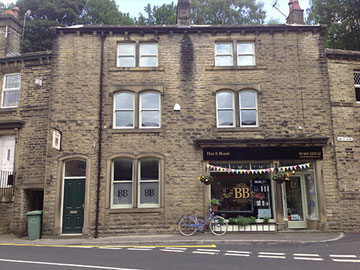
[(344, 75), (113, 128)]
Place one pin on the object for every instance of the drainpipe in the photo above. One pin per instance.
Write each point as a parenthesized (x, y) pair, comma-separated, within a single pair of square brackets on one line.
[(102, 36)]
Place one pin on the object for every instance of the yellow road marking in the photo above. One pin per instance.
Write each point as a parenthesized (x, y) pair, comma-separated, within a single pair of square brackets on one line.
[(113, 246)]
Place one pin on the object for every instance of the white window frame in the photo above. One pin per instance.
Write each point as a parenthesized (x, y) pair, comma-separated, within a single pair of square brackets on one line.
[(225, 109), (239, 54), (117, 110), (141, 109), (142, 55), (224, 54), (113, 182), (119, 56), (357, 86), (249, 108), (10, 89), (148, 205)]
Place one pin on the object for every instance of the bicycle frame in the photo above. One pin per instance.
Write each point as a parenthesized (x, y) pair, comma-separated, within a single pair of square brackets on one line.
[(200, 226)]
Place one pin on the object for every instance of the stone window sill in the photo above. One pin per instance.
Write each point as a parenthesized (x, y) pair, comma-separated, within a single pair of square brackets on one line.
[(239, 129), (227, 68), (160, 210), (135, 69), (137, 130)]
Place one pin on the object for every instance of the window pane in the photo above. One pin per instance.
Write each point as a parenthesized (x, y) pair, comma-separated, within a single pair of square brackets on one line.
[(248, 100), (225, 118), (12, 81), (122, 170), (75, 168), (11, 98), (149, 169), (150, 119), (224, 100), (223, 61), (245, 48), (149, 193), (126, 49), (148, 61), (311, 196), (150, 100), (124, 119), (124, 101), (122, 193), (246, 60), (357, 93), (223, 48), (126, 62), (248, 118), (148, 49)]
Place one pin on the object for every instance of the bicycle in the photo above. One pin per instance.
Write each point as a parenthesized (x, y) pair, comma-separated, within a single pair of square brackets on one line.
[(189, 224)]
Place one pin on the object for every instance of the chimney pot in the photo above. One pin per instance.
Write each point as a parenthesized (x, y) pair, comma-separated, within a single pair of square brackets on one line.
[(296, 14)]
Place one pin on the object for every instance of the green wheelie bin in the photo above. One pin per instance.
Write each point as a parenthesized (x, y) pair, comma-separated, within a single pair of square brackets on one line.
[(34, 224)]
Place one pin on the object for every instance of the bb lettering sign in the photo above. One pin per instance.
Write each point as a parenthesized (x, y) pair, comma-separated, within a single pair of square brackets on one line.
[(262, 153)]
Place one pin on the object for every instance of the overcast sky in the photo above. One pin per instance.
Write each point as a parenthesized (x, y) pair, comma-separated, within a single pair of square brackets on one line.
[(135, 6)]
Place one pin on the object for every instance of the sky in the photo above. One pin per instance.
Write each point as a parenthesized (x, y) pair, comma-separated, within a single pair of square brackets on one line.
[(135, 6)]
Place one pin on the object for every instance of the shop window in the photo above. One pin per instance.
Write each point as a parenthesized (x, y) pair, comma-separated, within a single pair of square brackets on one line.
[(243, 194), (225, 109), (11, 90), (311, 197), (147, 112), (126, 179), (137, 54), (234, 53), (357, 85)]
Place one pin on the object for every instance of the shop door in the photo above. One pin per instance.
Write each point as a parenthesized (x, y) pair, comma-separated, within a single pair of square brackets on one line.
[(295, 203), (73, 211)]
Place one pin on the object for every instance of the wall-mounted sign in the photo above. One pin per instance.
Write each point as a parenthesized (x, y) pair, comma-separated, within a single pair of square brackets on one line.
[(345, 139), (56, 143), (262, 153)]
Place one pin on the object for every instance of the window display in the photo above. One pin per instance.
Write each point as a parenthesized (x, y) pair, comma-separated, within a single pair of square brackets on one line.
[(243, 194)]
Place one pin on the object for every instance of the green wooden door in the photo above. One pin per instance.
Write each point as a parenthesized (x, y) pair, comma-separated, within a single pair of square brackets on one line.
[(73, 213)]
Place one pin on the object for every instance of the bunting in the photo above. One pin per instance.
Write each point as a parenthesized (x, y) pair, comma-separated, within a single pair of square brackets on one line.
[(303, 166)]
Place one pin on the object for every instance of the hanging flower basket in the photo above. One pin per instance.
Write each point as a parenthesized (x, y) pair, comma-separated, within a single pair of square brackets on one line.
[(281, 177), (206, 179)]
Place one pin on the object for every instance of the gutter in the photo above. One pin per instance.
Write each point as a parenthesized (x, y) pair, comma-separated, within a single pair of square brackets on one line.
[(102, 36)]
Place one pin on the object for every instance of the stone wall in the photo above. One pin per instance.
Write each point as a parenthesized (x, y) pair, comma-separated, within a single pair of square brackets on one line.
[(9, 45), (6, 215), (346, 116)]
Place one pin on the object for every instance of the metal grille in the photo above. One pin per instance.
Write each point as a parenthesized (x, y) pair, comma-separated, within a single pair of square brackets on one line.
[(6, 183), (357, 78)]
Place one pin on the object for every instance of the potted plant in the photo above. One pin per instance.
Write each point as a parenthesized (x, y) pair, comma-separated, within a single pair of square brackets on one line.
[(214, 203), (206, 179)]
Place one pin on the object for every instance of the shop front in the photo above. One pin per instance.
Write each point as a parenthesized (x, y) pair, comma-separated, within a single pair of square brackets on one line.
[(279, 185)]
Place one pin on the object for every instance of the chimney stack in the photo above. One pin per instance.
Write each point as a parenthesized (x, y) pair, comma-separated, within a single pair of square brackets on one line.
[(296, 14), (14, 12), (183, 12)]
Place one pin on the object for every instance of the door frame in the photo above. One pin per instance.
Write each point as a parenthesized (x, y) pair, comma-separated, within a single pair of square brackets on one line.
[(60, 194), (296, 224)]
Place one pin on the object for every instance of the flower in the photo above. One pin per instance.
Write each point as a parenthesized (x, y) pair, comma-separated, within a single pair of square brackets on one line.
[(282, 176), (215, 202), (206, 179)]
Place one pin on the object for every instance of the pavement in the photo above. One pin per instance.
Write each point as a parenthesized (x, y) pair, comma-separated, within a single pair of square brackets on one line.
[(176, 239)]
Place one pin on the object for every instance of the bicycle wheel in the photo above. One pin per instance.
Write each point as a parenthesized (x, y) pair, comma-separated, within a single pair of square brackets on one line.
[(187, 226), (218, 225)]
